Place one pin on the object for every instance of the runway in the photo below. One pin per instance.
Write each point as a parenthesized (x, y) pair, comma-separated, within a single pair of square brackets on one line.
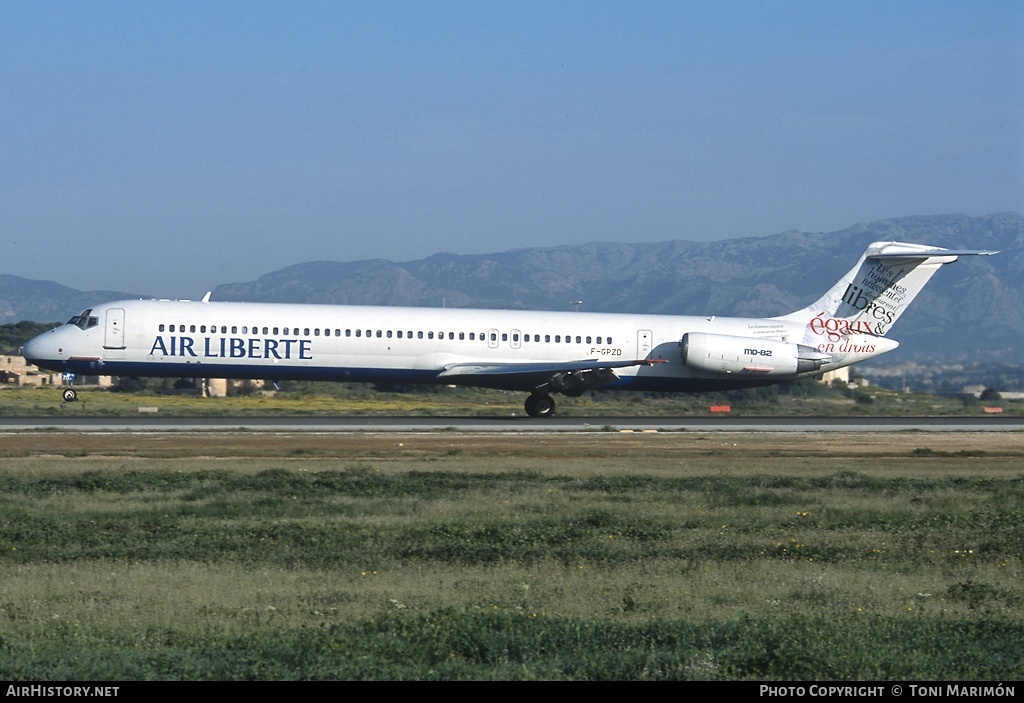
[(513, 424)]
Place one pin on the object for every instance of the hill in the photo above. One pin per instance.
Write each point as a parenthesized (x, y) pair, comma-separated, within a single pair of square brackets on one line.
[(24, 299), (974, 310)]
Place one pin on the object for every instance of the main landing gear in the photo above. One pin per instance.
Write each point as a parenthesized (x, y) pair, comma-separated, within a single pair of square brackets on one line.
[(70, 395), (540, 405)]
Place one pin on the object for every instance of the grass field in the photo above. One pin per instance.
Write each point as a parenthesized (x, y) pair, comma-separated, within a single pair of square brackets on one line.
[(808, 398), (563, 556)]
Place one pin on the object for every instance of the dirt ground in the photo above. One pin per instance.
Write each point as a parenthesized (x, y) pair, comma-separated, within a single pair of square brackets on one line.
[(356, 445)]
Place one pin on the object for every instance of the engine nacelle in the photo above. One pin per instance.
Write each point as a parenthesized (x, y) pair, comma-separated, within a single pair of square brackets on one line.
[(749, 356)]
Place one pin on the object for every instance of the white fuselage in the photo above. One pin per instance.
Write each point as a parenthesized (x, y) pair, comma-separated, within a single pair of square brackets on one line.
[(381, 344), (538, 352)]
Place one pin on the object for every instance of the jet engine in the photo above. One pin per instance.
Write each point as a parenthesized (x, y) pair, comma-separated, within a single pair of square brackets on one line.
[(749, 356)]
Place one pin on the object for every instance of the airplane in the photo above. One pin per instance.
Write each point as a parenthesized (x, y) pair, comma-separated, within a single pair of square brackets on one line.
[(540, 353)]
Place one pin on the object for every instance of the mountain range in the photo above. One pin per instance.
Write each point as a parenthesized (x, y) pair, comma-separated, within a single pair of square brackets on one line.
[(972, 310)]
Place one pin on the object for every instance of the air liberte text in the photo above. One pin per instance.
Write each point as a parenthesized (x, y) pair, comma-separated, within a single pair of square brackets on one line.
[(232, 348)]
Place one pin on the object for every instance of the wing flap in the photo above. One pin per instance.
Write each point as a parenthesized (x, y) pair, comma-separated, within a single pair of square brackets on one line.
[(506, 369), (569, 377)]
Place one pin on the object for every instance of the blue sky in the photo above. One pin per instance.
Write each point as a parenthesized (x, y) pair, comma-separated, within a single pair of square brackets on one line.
[(164, 148)]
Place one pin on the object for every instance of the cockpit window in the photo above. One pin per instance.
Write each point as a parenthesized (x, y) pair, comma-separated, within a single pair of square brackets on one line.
[(84, 321)]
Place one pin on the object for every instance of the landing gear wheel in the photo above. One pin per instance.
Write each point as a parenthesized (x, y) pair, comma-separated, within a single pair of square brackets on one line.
[(70, 395), (538, 405)]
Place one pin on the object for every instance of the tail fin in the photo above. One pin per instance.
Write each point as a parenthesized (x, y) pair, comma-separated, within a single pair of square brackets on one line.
[(875, 292)]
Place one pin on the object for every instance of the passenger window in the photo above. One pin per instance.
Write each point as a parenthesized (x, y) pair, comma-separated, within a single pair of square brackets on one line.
[(588, 339), (430, 335), (419, 335), (161, 327), (266, 330), (389, 334), (462, 335), (359, 333), (558, 338), (245, 330), (547, 338), (348, 333)]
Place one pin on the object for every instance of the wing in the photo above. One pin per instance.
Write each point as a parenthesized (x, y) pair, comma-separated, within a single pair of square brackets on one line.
[(572, 378)]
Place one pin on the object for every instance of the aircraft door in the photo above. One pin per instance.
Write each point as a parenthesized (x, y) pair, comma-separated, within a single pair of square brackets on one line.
[(516, 338), (492, 338), (113, 335), (643, 343)]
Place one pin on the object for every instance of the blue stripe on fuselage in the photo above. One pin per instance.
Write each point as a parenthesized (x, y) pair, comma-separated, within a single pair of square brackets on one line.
[(378, 375)]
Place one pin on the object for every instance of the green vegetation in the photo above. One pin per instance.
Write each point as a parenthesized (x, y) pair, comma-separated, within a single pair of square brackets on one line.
[(672, 556), (802, 399), (14, 335)]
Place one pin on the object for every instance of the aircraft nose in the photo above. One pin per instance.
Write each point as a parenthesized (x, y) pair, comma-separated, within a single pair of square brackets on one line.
[(41, 349)]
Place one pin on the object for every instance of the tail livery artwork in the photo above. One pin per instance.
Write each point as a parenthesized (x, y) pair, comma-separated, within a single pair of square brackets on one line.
[(540, 353)]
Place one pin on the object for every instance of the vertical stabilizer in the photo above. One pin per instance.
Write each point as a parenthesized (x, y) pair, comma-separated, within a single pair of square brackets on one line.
[(874, 293)]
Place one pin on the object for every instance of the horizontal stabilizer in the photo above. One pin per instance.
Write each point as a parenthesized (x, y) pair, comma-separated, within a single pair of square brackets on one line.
[(929, 253)]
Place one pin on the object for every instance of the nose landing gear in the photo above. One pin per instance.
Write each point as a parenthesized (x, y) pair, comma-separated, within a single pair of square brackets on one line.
[(70, 395)]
